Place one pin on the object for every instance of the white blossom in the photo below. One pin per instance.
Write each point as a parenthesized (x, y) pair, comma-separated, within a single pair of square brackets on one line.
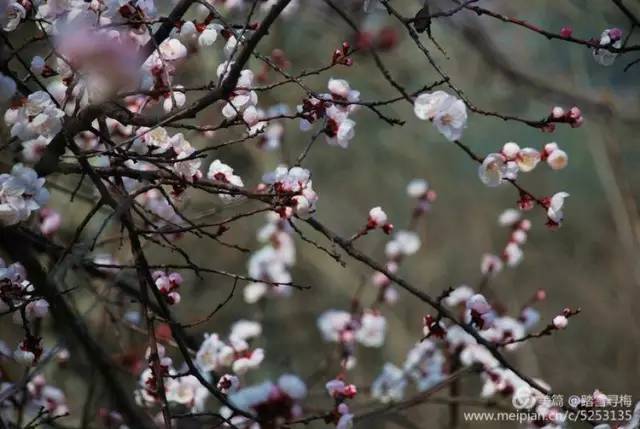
[(372, 330), (389, 386), (556, 203), (557, 159), (492, 170), (560, 322), (21, 193), (417, 188)]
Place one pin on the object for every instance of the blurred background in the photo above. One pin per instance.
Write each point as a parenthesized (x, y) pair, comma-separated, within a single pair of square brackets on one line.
[(590, 263)]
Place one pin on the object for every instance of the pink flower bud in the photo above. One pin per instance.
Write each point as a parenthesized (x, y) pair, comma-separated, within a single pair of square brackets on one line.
[(566, 31), (560, 322), (615, 34), (557, 112), (377, 218), (575, 112), (510, 150)]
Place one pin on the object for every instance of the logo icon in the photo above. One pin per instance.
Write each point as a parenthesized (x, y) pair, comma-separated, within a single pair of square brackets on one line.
[(574, 400), (523, 398)]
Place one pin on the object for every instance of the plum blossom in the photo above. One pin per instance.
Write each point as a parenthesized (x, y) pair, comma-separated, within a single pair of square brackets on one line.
[(372, 329), (245, 329), (228, 383), (458, 296), (209, 35), (222, 173), (404, 243), (451, 119), (448, 113), (339, 389), (611, 37), (336, 106), (332, 323), (173, 99), (527, 159), (187, 390), (49, 397), (340, 326), (556, 158), (492, 170), (560, 322), (21, 193), (505, 165), (235, 353), (390, 385), (377, 217), (279, 400), (554, 207), (425, 365), (11, 14), (491, 264), (295, 184), (346, 418), (269, 266), (243, 97), (168, 284), (509, 217), (214, 354), (340, 130), (37, 118), (426, 106), (479, 311)]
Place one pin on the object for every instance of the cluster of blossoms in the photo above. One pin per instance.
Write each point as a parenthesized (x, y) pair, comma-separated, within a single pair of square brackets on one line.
[(573, 117), (424, 366), (235, 353), (234, 6), (610, 38), (340, 391), (335, 107), (505, 165), (404, 242), (35, 121), (447, 113), (341, 55), (21, 193), (502, 331), (269, 266), (276, 403), (168, 284), (493, 325), (38, 398), (294, 189), (243, 100), (367, 327), (17, 293), (180, 389), (157, 141), (512, 253)]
